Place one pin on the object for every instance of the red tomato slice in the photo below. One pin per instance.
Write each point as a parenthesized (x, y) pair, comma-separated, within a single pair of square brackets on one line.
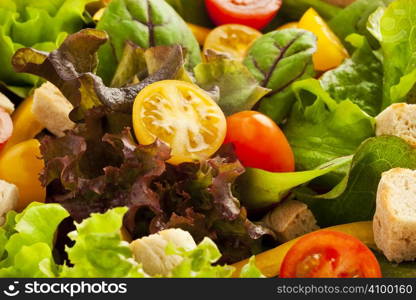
[(6, 127), (254, 13), (259, 142), (329, 254)]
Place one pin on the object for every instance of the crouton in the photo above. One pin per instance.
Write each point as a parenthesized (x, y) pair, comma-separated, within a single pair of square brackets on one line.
[(150, 251), (399, 120), (9, 196), (52, 109), (394, 221), (290, 220), (6, 104)]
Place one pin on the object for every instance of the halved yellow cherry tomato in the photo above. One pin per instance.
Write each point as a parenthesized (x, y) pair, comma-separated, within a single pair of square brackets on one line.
[(199, 32), (331, 53), (183, 116), (25, 124), (21, 165), (232, 39), (289, 25)]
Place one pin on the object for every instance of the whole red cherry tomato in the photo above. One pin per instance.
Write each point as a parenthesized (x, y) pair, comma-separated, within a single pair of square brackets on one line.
[(254, 13), (259, 142)]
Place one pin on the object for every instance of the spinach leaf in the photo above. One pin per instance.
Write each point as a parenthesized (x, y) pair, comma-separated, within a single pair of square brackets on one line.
[(398, 27), (394, 270), (359, 78), (353, 18), (319, 129), (147, 23), (261, 189), (238, 89), (192, 11), (277, 60), (355, 200), (294, 9)]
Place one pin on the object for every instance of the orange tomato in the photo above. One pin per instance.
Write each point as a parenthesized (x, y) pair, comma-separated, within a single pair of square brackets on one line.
[(21, 165), (259, 142)]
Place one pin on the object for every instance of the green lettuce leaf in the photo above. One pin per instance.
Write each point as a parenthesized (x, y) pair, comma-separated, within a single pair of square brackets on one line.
[(354, 199), (277, 60), (261, 189), (353, 19), (294, 9), (238, 89), (359, 78), (250, 270), (40, 24), (198, 263), (99, 251), (398, 42), (28, 238), (147, 23), (320, 129)]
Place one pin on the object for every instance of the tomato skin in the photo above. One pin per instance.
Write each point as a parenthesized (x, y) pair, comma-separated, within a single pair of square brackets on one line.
[(329, 254), (232, 39), (6, 127), (253, 13), (259, 142)]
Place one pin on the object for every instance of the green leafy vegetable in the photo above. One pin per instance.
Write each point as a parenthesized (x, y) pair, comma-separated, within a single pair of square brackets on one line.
[(250, 270), (71, 69), (353, 18), (192, 11), (89, 171), (41, 24), (294, 9), (238, 89), (147, 23), (198, 263), (394, 270), (359, 78), (279, 59), (354, 199), (262, 189), (28, 241), (99, 251), (132, 66), (398, 42), (319, 129)]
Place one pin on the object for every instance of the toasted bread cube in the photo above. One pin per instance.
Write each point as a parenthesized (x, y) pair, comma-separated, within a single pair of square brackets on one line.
[(399, 120), (290, 220), (9, 196), (394, 222), (52, 109)]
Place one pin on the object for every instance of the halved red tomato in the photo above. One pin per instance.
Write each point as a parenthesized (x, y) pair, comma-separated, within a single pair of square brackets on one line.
[(254, 13), (329, 254), (6, 127)]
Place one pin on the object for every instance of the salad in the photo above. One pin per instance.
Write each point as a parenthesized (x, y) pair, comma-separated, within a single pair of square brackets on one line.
[(207, 138)]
